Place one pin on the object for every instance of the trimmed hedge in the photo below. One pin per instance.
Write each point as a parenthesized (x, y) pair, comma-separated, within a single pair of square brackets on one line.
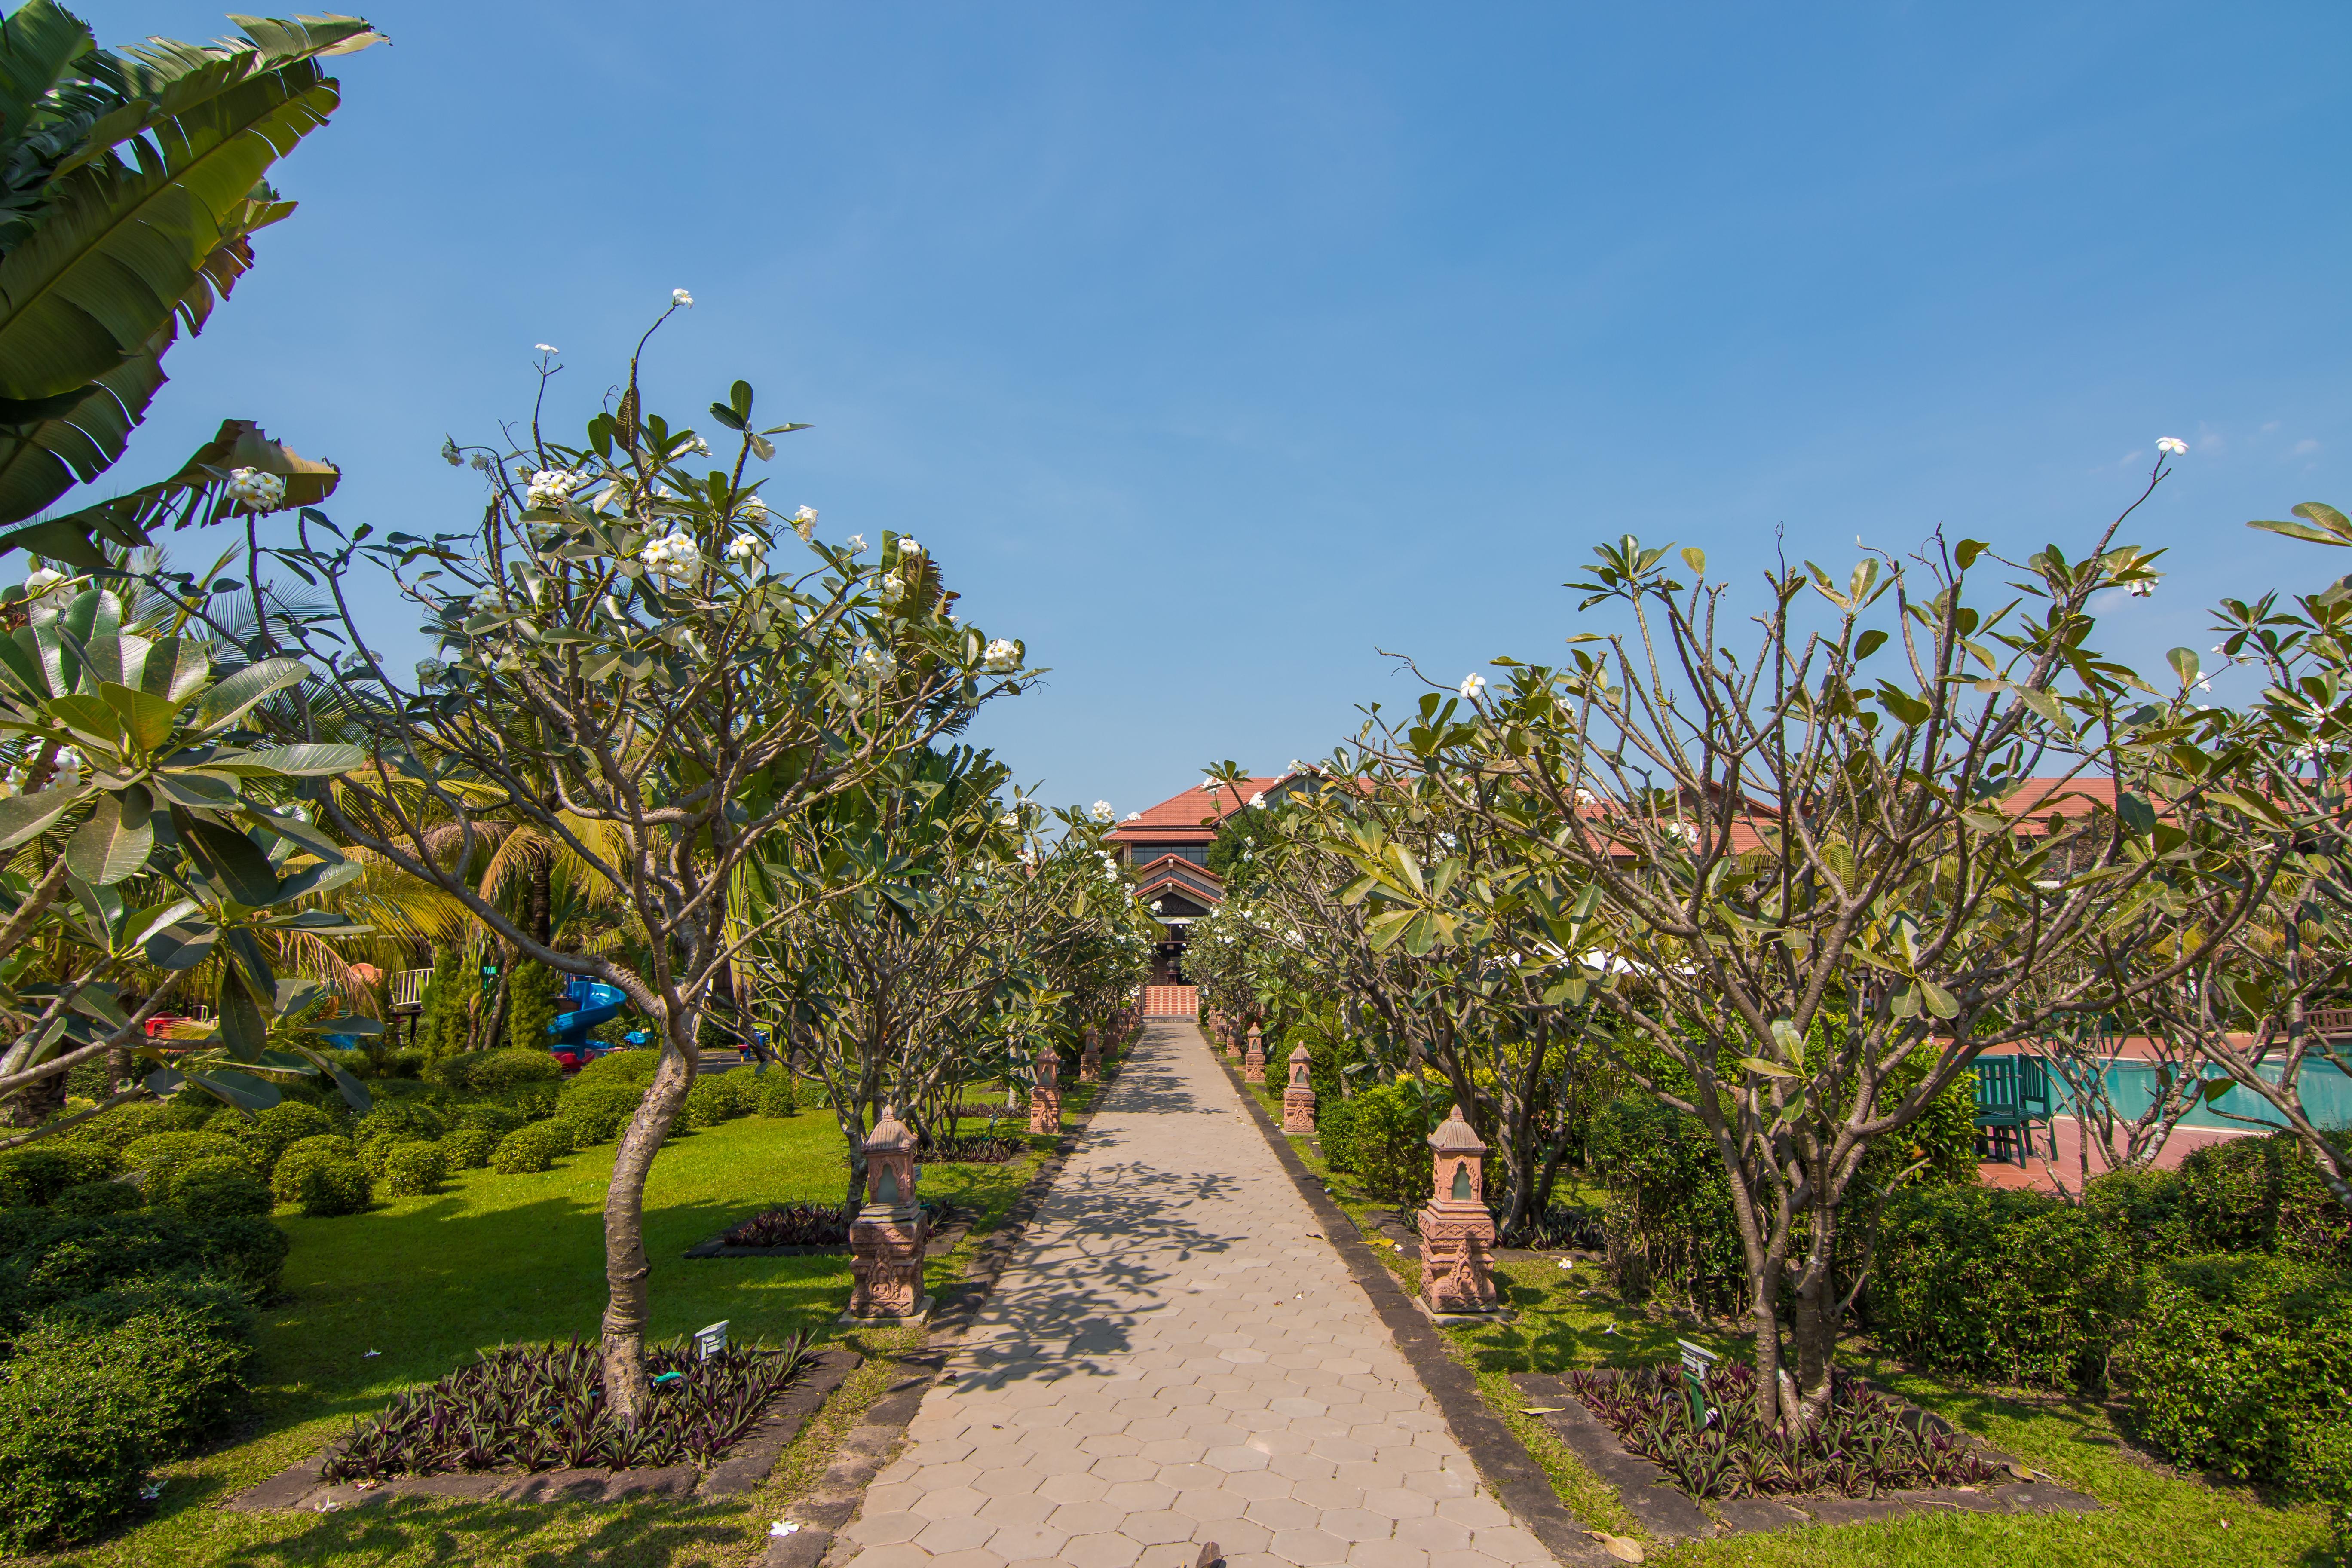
[(415, 1170), (33, 1176), (532, 1148), (470, 1147), (635, 1065), (124, 1125), (2001, 1286), (99, 1198), (183, 1343), (496, 1072), (286, 1176), (69, 1464), (52, 1257), (778, 1094), (159, 1156), (1382, 1138), (714, 1097), (500, 1119), (595, 1112), (269, 1133), (335, 1187), (2243, 1364), (398, 1118), (220, 1185)]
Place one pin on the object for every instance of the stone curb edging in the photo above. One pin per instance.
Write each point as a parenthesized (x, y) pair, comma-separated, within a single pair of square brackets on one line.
[(1669, 1515), (1511, 1472), (838, 1494), (299, 1485)]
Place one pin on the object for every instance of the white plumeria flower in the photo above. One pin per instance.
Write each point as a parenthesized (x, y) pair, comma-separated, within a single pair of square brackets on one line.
[(550, 487), (804, 522), (547, 348), (2172, 446), (1258, 800), (673, 555), (1102, 812), (1008, 820), (40, 580), (744, 547), (857, 544), (909, 547), (680, 297), (1134, 816), (2141, 589), (1471, 686), (752, 509), (877, 660), (260, 491), (1001, 655)]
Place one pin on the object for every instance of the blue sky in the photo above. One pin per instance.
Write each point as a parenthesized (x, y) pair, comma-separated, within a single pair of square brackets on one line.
[(1214, 348)]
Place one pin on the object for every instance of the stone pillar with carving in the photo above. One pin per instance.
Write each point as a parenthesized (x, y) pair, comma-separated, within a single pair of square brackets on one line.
[(1298, 1095), (1457, 1235), (1253, 1065), (885, 1239), (1045, 1092), (1090, 1061)]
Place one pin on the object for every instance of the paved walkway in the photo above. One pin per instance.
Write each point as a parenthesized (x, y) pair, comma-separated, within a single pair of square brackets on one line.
[(1176, 1356)]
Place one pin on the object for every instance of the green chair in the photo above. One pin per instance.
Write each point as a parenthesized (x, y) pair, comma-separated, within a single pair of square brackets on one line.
[(2012, 1095)]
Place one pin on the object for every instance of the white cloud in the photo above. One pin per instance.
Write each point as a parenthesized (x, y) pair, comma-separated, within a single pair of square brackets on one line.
[(2305, 448)]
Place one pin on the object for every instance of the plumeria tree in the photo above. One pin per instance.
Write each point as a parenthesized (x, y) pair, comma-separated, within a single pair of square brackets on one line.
[(621, 649), (1810, 880)]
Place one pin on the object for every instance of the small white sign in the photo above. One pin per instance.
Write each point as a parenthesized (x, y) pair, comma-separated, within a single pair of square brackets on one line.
[(709, 1341)]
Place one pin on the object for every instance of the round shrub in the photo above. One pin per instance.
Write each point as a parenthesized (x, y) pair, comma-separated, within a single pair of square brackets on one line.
[(220, 1185), (2000, 1285), (159, 1155), (69, 1464), (181, 1343), (32, 1176), (70, 1257), (2263, 1195), (398, 1118), (711, 1099), (286, 1176), (596, 1111), (499, 1119), (119, 1127), (470, 1147), (634, 1067), (99, 1198), (777, 1094), (335, 1187), (414, 1170), (532, 1148), (2243, 1364), (269, 1133), (496, 1072)]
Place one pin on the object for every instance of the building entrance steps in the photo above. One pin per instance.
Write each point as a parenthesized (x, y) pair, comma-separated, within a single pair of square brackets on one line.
[(1175, 1356)]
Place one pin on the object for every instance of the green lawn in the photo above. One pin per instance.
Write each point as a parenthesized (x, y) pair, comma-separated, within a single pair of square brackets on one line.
[(425, 1282), (2153, 1518)]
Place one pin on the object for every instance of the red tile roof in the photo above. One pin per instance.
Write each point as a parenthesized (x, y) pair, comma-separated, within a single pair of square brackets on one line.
[(1192, 816)]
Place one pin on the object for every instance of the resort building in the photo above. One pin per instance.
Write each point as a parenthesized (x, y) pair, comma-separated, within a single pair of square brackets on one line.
[(1168, 847)]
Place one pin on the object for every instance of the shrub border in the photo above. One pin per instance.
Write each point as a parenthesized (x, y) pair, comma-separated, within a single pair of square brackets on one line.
[(1669, 1514)]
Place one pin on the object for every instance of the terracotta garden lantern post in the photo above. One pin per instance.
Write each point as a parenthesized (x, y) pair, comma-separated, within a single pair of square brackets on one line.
[(1457, 1235), (1298, 1095), (1045, 1092), (1253, 1065), (885, 1239), (1090, 1062)]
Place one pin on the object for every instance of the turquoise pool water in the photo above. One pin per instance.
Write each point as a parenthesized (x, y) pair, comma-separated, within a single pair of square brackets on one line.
[(2131, 1085)]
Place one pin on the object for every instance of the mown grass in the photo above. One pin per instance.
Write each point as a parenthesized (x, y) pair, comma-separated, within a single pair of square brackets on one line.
[(426, 1282), (2152, 1516)]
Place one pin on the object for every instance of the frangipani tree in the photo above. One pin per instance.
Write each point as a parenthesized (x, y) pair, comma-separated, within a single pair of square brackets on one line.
[(618, 647), (1807, 889)]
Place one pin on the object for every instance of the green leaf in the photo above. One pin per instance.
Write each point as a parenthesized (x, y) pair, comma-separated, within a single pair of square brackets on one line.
[(1694, 558), (1967, 551), (150, 719), (229, 859), (24, 815), (114, 842), (229, 701), (243, 1028), (1869, 643), (309, 761), (2184, 664), (1770, 1069), (182, 946), (1940, 1002), (242, 1090), (2135, 812)]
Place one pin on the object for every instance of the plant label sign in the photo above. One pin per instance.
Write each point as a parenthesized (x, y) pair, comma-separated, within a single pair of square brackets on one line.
[(1698, 1361), (709, 1341)]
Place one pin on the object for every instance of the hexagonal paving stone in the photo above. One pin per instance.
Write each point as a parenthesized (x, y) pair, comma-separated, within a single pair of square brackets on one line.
[(944, 1535), (1139, 1497), (1308, 1547)]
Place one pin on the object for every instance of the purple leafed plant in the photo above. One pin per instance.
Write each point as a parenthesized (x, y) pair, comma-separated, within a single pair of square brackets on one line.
[(794, 1224), (1864, 1444), (542, 1408)]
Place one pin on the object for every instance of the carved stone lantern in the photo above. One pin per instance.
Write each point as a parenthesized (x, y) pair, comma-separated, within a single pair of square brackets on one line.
[(1298, 1095), (1045, 1092), (885, 1239), (1090, 1061), (1457, 1235), (1253, 1065)]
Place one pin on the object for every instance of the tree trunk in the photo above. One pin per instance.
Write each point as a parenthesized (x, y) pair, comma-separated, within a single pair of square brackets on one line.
[(853, 1129), (541, 912), (1813, 1322), (628, 1297)]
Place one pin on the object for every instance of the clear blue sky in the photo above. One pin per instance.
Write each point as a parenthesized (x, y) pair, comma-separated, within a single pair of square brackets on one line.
[(1214, 347)]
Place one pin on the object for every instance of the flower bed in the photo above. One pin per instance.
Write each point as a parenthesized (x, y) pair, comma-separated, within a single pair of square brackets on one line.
[(794, 1225), (540, 1407), (1864, 1445), (974, 1149)]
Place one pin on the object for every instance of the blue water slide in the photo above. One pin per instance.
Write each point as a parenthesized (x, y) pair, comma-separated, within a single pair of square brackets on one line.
[(592, 1002)]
